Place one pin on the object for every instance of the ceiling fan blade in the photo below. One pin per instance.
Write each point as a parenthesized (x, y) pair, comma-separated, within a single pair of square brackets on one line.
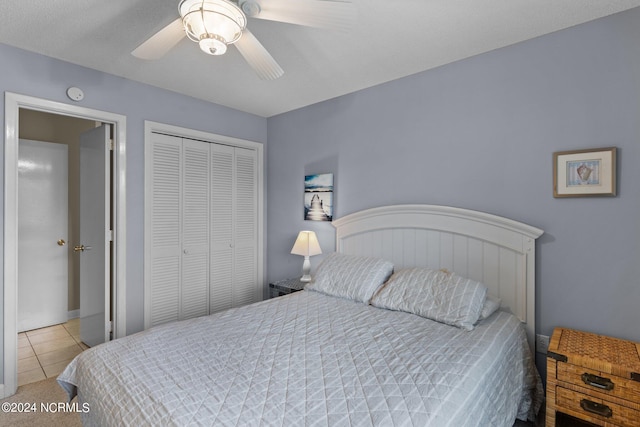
[(257, 56), (161, 42), (335, 15)]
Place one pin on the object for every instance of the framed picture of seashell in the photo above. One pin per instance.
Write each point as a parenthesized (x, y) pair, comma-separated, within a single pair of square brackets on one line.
[(582, 173)]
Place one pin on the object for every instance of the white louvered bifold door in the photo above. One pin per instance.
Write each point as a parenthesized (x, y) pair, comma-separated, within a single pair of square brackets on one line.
[(195, 229), (234, 227), (222, 177), (245, 268), (201, 228), (163, 251)]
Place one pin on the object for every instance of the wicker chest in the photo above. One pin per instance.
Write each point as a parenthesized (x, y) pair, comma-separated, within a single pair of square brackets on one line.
[(594, 378)]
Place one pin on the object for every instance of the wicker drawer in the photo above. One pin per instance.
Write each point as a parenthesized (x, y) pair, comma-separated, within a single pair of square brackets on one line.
[(594, 378), (591, 409), (599, 383)]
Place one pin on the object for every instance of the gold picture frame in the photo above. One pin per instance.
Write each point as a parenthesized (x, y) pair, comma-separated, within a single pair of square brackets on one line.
[(585, 173)]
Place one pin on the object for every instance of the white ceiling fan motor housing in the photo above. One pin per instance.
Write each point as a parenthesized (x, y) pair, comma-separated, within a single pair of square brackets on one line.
[(249, 7)]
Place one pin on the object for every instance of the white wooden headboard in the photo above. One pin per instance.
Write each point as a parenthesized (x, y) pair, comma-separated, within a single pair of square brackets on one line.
[(496, 251)]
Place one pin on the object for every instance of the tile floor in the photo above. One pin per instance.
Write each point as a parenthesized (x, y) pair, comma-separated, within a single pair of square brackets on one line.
[(44, 353)]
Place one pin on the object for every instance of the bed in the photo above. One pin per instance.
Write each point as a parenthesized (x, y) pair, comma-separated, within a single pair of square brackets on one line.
[(423, 316)]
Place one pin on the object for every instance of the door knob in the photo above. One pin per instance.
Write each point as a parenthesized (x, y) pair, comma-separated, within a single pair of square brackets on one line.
[(81, 248), (61, 242)]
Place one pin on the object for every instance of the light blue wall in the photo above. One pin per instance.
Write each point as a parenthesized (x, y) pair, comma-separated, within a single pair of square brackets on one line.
[(480, 134), (477, 134), (39, 76)]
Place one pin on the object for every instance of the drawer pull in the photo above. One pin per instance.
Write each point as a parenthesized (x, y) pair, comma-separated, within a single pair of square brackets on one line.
[(596, 381), (596, 408)]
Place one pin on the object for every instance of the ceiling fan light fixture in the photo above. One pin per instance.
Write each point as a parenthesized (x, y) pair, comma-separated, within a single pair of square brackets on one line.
[(213, 24), (212, 44)]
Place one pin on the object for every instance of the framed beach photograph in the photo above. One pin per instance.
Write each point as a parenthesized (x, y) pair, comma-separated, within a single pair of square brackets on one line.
[(318, 197), (582, 173)]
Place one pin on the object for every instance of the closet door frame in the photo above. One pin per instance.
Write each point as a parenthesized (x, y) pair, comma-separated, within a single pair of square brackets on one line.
[(180, 132)]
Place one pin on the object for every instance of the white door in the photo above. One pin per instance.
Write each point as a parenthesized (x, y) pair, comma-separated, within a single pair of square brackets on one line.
[(95, 236), (42, 234), (163, 219), (177, 229), (194, 289), (234, 227), (222, 226), (246, 289)]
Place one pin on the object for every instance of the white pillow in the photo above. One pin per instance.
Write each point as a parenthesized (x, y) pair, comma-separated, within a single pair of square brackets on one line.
[(349, 276), (491, 304), (435, 294)]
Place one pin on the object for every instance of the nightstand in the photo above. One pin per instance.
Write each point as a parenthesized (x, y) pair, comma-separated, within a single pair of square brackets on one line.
[(594, 378), (285, 287)]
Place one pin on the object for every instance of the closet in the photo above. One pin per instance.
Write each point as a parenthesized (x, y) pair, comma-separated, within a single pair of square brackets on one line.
[(201, 227)]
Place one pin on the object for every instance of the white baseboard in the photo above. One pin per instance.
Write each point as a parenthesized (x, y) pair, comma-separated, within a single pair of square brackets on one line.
[(73, 314), (4, 392)]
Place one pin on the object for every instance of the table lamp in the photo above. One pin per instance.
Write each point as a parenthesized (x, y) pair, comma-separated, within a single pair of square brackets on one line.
[(306, 245)]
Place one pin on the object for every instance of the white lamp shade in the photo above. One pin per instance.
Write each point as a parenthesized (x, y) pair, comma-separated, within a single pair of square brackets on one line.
[(306, 244)]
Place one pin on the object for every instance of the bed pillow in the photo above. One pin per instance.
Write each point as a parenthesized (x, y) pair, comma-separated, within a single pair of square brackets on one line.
[(349, 276), (435, 294), (491, 304)]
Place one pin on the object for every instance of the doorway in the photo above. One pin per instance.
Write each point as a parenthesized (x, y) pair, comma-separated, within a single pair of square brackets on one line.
[(54, 300), (15, 105), (43, 139)]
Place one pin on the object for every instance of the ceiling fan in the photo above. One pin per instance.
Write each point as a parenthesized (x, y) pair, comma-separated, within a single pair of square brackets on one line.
[(216, 24)]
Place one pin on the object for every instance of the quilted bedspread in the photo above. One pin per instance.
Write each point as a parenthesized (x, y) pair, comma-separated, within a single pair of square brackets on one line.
[(309, 359)]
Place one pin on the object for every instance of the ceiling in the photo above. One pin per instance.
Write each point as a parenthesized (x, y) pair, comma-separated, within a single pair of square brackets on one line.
[(390, 39)]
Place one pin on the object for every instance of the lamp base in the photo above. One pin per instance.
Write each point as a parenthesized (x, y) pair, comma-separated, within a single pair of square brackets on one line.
[(306, 270)]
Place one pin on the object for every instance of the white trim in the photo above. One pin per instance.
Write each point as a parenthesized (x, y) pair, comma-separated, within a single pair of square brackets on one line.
[(390, 232), (151, 127), (181, 132), (13, 102), (73, 314)]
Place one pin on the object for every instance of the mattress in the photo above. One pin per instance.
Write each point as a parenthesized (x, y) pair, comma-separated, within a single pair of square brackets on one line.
[(310, 359)]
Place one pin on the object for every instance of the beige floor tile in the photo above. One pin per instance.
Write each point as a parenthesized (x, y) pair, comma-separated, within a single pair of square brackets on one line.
[(28, 364), (44, 330), (72, 322), (56, 356), (49, 346), (55, 369), (49, 336), (31, 376), (23, 341), (25, 352), (47, 351), (73, 330)]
